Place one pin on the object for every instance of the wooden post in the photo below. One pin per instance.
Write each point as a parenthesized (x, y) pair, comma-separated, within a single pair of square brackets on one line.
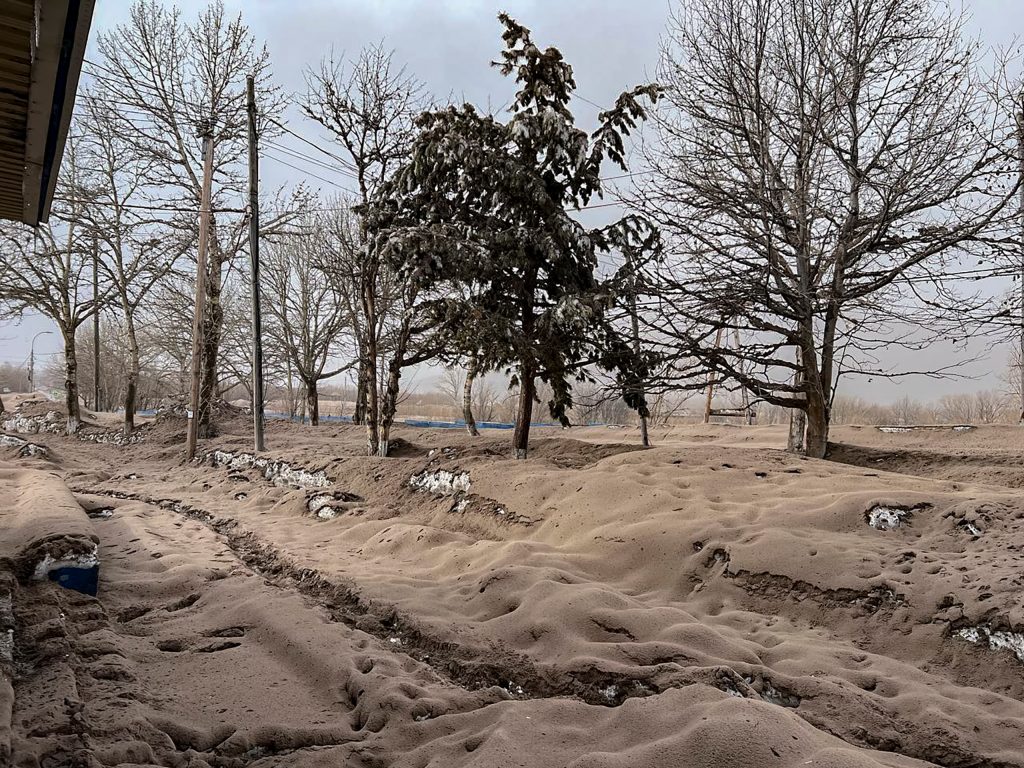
[(95, 324), (748, 414), (197, 320), (254, 272), (711, 381), (1020, 350)]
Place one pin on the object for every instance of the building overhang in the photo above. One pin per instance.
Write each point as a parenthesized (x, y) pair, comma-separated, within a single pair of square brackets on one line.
[(42, 46)]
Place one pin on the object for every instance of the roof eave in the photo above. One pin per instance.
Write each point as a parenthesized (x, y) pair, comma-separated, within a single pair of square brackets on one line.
[(62, 32)]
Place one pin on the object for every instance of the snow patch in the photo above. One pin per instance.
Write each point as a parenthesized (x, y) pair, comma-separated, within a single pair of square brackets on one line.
[(49, 563), (441, 482), (926, 428), (997, 640), (321, 507), (885, 518), (25, 447), (277, 472)]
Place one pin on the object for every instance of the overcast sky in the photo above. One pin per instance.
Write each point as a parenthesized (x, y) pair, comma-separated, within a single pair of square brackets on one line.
[(612, 45)]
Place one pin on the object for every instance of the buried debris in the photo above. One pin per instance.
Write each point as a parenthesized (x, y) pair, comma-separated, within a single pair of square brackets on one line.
[(996, 639), (441, 482), (471, 503), (67, 562), (33, 425), (25, 448), (327, 506), (900, 429), (277, 472), (886, 517)]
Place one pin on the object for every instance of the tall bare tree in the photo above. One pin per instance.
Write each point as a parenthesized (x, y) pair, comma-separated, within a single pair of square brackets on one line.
[(368, 106), (817, 162), (170, 79), (49, 270), (306, 316), (126, 230)]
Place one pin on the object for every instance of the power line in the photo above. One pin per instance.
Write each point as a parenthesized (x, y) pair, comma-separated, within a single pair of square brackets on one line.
[(273, 157), (312, 160), (336, 158)]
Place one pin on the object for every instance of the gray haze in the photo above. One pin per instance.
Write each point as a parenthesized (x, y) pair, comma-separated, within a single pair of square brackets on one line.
[(612, 45)]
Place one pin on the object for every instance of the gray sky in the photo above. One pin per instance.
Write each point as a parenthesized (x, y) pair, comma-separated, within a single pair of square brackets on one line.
[(612, 45)]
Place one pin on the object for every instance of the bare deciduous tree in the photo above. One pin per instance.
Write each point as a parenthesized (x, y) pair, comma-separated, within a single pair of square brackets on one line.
[(172, 81), (306, 316), (49, 271), (134, 257), (817, 161), (368, 107)]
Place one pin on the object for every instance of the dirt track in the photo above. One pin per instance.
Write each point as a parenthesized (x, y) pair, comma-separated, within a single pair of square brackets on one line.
[(710, 602)]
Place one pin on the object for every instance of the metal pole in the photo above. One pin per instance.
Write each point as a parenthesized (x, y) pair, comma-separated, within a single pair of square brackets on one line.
[(95, 324), (32, 361), (254, 273), (197, 320)]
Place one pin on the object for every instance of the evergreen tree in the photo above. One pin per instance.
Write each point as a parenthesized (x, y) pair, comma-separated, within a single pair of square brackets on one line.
[(481, 218)]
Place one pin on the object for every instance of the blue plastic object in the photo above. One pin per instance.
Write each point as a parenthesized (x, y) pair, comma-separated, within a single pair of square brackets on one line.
[(85, 580)]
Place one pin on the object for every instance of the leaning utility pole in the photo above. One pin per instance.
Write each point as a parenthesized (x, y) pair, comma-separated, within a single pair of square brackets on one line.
[(254, 272), (206, 133), (95, 323)]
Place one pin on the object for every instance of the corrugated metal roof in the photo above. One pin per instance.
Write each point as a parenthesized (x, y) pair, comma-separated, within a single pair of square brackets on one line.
[(15, 80), (42, 44)]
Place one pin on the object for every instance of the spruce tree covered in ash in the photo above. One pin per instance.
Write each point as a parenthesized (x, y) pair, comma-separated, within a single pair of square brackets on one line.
[(484, 209)]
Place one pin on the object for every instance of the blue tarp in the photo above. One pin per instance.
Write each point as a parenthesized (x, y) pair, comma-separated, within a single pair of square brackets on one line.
[(419, 423)]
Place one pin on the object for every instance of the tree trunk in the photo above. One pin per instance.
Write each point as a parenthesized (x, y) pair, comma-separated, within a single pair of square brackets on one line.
[(214, 323), (71, 383), (389, 406), (132, 384), (797, 417), (524, 412), (313, 400), (372, 416), (467, 397), (359, 411), (817, 424), (797, 427)]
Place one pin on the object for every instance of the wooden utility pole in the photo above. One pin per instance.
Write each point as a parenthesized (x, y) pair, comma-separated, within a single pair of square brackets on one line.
[(1020, 350), (254, 272), (197, 321), (95, 323)]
